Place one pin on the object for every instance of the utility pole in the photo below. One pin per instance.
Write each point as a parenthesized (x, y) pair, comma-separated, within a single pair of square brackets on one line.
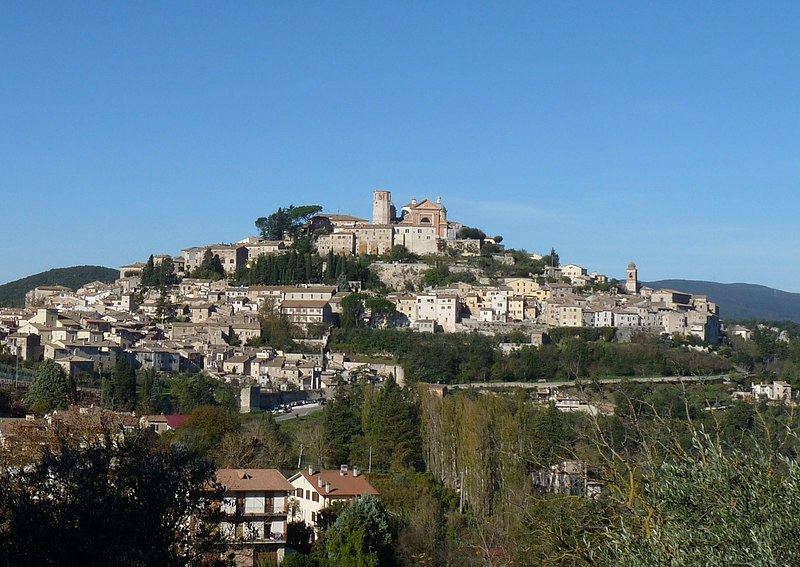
[(300, 457), (369, 470)]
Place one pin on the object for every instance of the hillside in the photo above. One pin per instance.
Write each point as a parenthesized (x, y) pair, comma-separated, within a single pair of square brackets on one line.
[(13, 293), (740, 300)]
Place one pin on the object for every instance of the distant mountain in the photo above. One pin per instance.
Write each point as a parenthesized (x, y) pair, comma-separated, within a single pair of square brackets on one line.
[(740, 300), (13, 293)]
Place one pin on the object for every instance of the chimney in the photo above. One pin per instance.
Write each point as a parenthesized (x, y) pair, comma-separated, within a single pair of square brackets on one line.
[(319, 481), (343, 470), (328, 487), (310, 470), (355, 471)]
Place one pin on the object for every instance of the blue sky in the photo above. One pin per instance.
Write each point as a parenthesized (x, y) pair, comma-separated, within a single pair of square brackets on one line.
[(667, 134)]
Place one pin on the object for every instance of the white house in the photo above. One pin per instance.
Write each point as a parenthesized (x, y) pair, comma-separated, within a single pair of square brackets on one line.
[(315, 490)]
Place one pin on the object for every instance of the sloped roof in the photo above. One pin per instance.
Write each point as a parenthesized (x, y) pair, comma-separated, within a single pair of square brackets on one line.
[(342, 486), (253, 479)]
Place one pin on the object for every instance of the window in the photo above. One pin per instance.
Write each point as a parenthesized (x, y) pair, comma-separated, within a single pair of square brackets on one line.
[(308, 495), (315, 497), (299, 492), (254, 504)]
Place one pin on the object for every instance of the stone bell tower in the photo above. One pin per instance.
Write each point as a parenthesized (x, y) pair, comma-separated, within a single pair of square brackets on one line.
[(632, 279), (381, 207)]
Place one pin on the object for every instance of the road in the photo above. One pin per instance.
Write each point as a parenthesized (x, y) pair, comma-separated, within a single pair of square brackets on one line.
[(299, 411), (655, 379)]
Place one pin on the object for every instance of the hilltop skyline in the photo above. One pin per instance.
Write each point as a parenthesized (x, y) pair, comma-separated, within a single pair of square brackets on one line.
[(666, 135)]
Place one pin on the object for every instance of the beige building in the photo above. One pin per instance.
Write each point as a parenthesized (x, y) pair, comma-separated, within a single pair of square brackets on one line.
[(306, 311), (256, 504), (231, 256), (315, 490)]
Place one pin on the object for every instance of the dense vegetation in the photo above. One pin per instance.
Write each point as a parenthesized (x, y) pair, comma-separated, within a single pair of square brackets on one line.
[(120, 501), (13, 293), (296, 267), (458, 358)]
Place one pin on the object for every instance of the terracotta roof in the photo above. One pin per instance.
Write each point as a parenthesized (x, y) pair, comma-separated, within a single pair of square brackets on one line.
[(342, 486), (176, 421), (253, 479)]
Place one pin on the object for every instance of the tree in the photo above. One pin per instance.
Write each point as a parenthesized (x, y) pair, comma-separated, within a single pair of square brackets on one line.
[(150, 400), (148, 276), (166, 272), (210, 267), (436, 276), (50, 388), (123, 385), (206, 427), (392, 430), (353, 311), (343, 422), (361, 536), (471, 233), (400, 253), (114, 502), (552, 259), (260, 444), (189, 392), (165, 309), (709, 505), (285, 221)]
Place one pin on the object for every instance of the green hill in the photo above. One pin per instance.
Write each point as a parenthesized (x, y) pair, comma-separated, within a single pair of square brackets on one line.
[(13, 293), (739, 300)]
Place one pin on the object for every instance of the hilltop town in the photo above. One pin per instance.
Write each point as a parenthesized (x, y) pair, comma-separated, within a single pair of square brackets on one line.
[(435, 275)]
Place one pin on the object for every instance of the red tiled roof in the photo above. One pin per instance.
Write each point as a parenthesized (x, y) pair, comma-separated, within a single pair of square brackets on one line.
[(341, 485), (176, 421)]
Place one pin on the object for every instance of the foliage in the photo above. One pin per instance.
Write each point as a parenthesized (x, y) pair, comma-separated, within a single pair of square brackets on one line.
[(552, 259), (285, 221), (259, 443), (51, 388), (151, 399), (343, 422), (296, 267), (98, 504), (466, 232), (391, 429), (400, 253), (191, 391), (210, 267), (361, 536), (119, 393), (712, 506), (206, 427), (359, 309), (165, 309), (276, 331), (159, 276)]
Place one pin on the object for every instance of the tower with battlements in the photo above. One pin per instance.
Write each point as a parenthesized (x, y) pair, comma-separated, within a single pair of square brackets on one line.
[(381, 207)]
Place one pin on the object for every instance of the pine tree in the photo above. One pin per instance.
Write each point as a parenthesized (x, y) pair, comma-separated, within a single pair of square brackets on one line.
[(49, 389), (343, 422), (124, 385), (149, 273), (150, 401), (392, 430)]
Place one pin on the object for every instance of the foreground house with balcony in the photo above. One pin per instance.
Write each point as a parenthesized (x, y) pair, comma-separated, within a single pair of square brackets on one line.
[(256, 504)]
